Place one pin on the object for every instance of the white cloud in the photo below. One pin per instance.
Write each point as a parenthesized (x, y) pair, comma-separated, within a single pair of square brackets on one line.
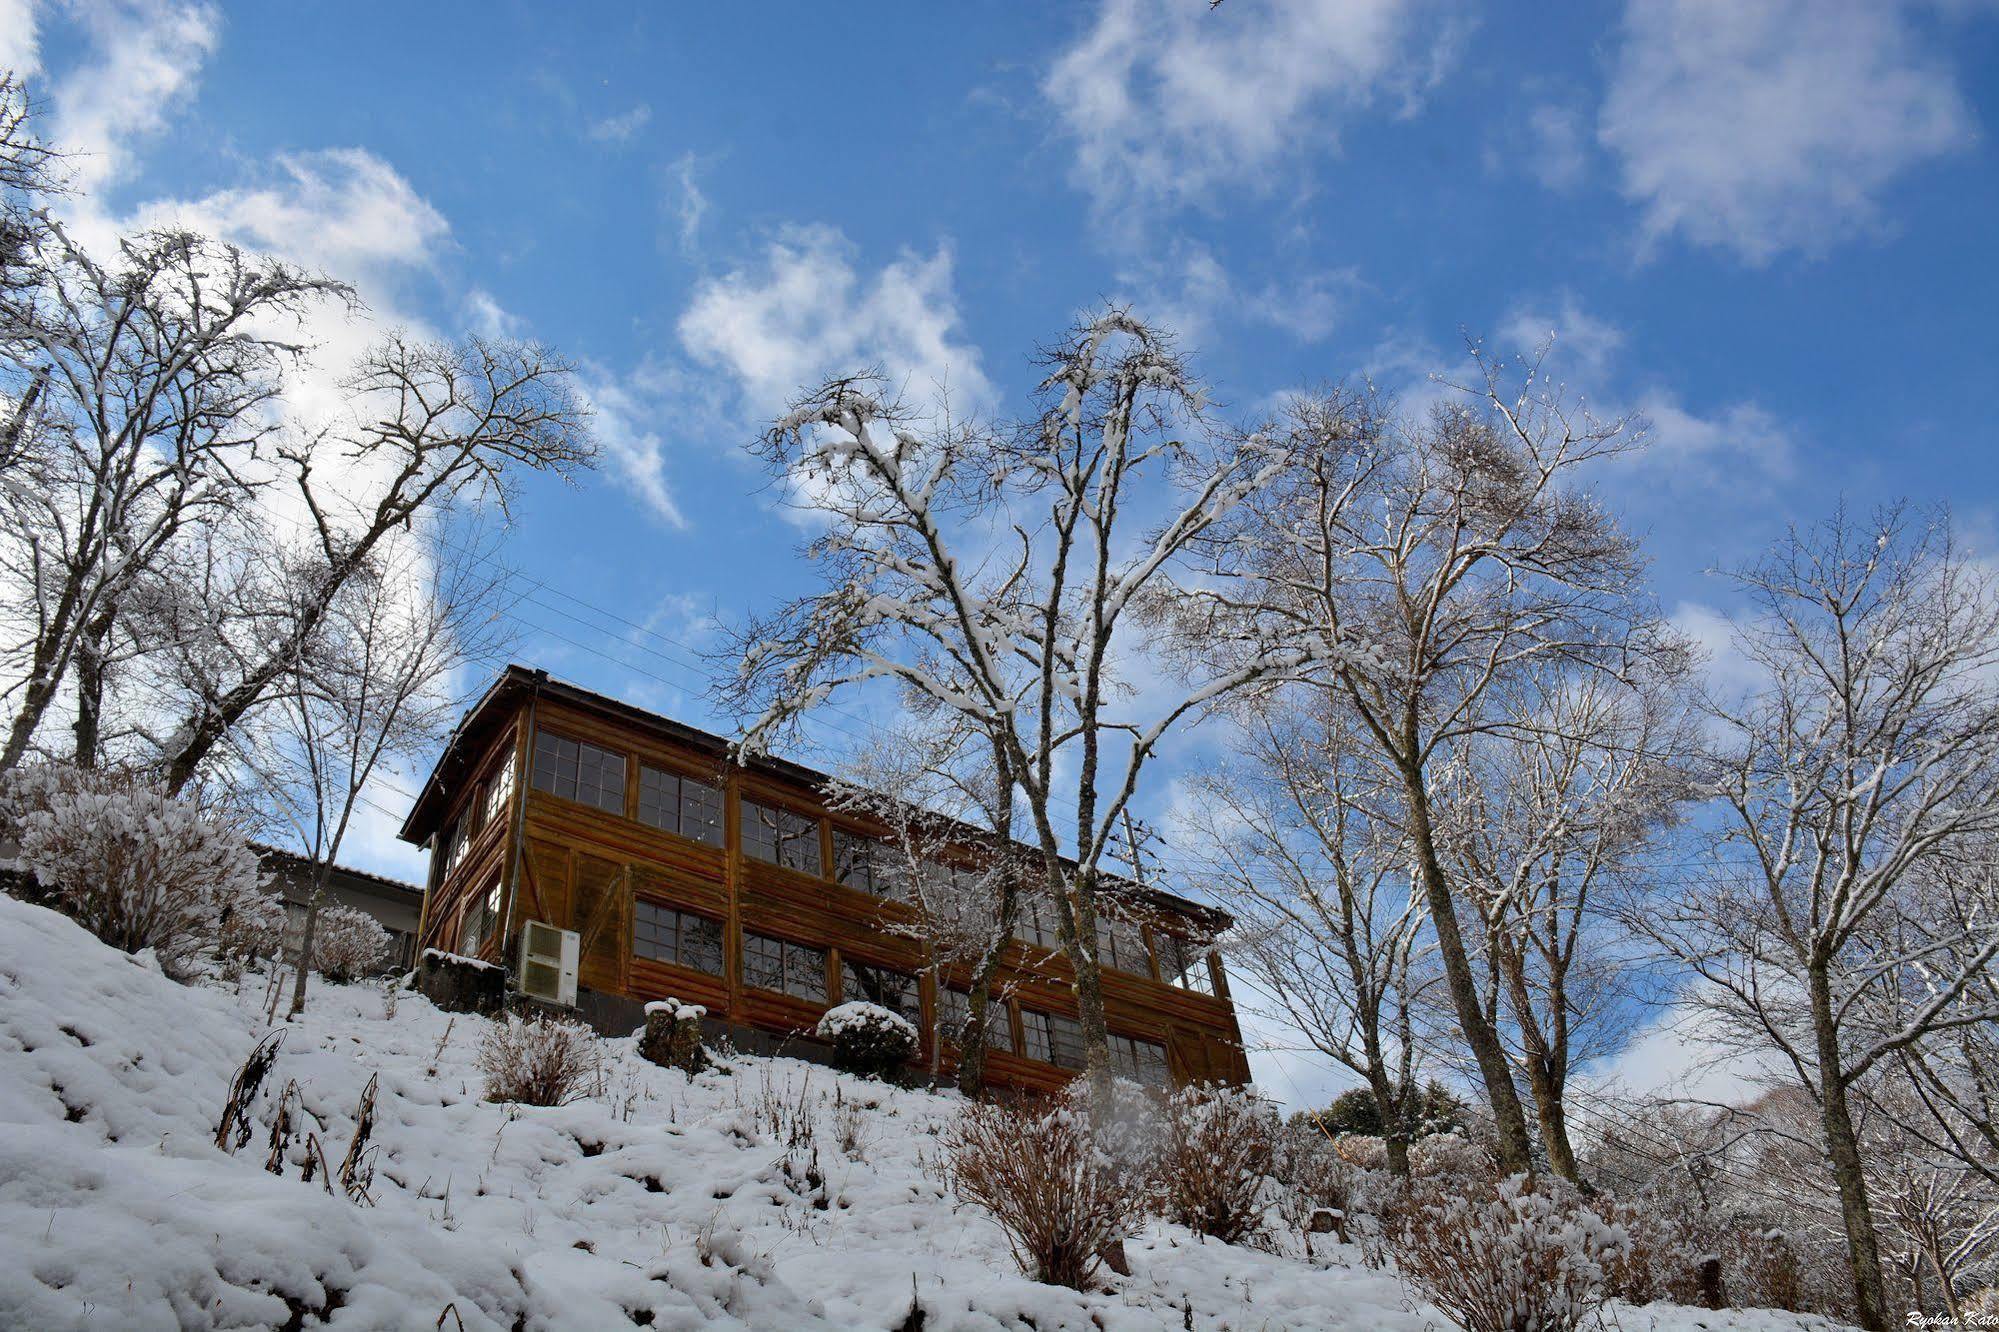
[(690, 203), (1557, 155), (805, 311), (1185, 289), (1761, 126), (148, 55), (20, 42), (1741, 440), (621, 127), (637, 454), (1680, 1053), (1173, 103)]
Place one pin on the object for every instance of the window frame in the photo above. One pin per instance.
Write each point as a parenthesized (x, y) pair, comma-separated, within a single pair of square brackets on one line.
[(681, 780), (748, 808), (682, 919), (849, 975), (1109, 930), (1179, 956), (954, 1010), (786, 949), (574, 795), (1126, 1062), (1071, 1031)]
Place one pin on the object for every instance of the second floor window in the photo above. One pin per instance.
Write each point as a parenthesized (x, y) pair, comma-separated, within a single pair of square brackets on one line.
[(1035, 923), (666, 935), (1120, 946), (780, 837), (863, 863), (677, 804), (1051, 1039), (1185, 964), (500, 791), (788, 968), (580, 771)]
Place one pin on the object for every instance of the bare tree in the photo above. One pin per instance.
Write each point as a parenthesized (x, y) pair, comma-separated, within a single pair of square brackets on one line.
[(1869, 750), (145, 384), (1443, 557), (431, 424), (377, 686), (1542, 817), (1006, 577), (1950, 1223), (1296, 833), (949, 855)]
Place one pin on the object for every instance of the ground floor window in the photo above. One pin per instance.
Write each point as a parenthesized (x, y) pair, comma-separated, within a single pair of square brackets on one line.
[(896, 991), (954, 1014), (481, 915), (666, 935), (788, 968), (1052, 1039), (1144, 1062)]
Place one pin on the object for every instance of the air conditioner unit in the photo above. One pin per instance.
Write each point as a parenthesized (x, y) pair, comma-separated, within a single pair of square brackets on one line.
[(548, 963)]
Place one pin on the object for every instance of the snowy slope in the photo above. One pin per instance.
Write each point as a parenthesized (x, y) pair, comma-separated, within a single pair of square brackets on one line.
[(661, 1201)]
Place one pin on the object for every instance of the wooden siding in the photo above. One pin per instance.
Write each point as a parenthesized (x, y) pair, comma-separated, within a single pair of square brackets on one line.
[(579, 867)]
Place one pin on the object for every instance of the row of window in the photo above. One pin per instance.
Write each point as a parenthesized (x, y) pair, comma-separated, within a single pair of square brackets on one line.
[(799, 970), (592, 775)]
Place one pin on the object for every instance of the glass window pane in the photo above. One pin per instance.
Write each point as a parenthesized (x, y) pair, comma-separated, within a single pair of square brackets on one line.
[(781, 837), (896, 991), (1065, 1042)]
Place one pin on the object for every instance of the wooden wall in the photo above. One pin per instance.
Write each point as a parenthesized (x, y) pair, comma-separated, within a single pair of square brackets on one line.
[(581, 868)]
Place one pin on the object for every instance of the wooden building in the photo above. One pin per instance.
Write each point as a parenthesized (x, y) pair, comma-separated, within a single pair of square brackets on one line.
[(688, 876)]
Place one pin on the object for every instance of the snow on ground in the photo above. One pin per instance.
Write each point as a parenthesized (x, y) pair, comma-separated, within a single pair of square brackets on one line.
[(773, 1195)]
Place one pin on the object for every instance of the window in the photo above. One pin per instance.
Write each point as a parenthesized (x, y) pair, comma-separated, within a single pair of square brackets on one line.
[(863, 863), (1120, 946), (579, 771), (1036, 922), (666, 935), (455, 842), (780, 837), (1144, 1062), (500, 791), (1051, 1039), (894, 990), (954, 1015), (480, 917), (1185, 964), (682, 805), (788, 968)]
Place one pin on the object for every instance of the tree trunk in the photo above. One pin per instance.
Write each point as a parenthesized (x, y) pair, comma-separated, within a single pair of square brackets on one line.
[(1509, 1120), (1394, 1113), (304, 956), (91, 670), (1863, 1248)]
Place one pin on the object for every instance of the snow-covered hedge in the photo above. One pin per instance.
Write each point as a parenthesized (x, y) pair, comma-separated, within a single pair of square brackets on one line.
[(868, 1039), (1221, 1151), (1515, 1254), (133, 865), (252, 928), (537, 1060), (347, 942)]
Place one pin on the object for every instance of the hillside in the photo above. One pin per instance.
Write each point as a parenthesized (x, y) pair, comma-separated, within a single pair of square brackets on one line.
[(771, 1195)]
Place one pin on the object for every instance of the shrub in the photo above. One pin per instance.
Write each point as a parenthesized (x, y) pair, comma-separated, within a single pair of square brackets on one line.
[(537, 1060), (251, 928), (868, 1039), (1220, 1148), (133, 865), (1663, 1257), (1313, 1177), (347, 942), (1518, 1255), (1039, 1172)]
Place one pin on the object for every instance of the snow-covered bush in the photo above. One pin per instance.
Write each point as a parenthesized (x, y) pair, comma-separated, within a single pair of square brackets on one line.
[(347, 942), (1039, 1172), (868, 1039), (252, 928), (1663, 1258), (1312, 1177), (1220, 1151), (537, 1060), (131, 864), (1519, 1255)]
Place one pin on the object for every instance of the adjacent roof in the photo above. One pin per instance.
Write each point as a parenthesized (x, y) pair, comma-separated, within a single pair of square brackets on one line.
[(294, 861), (469, 741)]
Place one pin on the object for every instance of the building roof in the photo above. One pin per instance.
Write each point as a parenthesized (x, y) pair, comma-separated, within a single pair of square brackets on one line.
[(293, 860), (468, 740)]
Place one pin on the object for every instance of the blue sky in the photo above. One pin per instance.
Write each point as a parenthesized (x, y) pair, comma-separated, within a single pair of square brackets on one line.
[(1766, 224)]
